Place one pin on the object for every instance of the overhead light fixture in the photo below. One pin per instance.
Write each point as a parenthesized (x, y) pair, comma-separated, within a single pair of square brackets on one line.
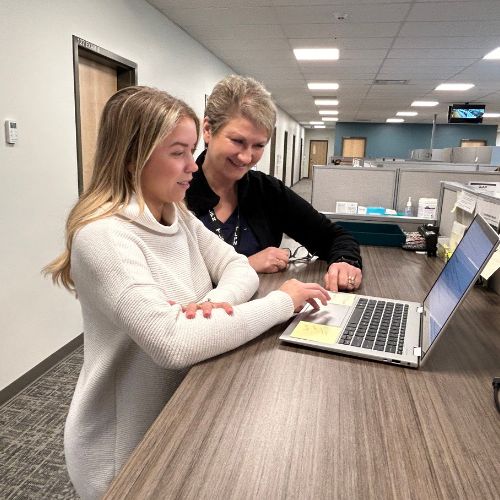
[(315, 123), (406, 113), (316, 54), (328, 112), (319, 126), (394, 120), (494, 54), (491, 115), (330, 119), (423, 104), (454, 86), (323, 86), (326, 102)]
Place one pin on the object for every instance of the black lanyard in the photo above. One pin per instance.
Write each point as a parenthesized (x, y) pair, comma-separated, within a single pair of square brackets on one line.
[(217, 227)]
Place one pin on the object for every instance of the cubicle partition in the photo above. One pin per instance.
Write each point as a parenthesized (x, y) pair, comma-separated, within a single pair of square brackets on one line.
[(366, 186), (387, 187), (425, 183)]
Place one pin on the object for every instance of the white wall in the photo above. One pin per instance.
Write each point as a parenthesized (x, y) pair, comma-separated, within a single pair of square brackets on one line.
[(286, 123), (317, 134), (38, 176)]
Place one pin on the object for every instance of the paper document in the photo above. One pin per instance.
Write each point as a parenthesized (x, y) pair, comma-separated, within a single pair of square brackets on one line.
[(490, 212), (466, 201), (492, 266)]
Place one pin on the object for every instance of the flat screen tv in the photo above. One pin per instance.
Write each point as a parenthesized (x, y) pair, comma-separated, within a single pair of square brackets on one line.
[(466, 113)]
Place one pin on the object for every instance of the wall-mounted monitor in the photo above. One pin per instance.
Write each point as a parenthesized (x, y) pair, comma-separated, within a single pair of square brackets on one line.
[(466, 113)]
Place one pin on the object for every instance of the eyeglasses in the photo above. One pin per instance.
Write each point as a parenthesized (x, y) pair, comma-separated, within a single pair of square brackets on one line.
[(300, 254)]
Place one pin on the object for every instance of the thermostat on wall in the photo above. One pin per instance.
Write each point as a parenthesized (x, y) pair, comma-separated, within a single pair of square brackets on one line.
[(10, 131)]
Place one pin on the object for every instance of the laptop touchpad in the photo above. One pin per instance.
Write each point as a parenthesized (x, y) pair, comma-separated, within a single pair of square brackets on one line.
[(332, 314)]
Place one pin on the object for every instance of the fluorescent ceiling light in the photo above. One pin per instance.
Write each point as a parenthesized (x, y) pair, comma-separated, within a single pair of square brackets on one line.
[(316, 123), (406, 113), (328, 112), (330, 119), (494, 54), (326, 102), (323, 86), (454, 86), (319, 126), (423, 104), (394, 120), (316, 54), (491, 115)]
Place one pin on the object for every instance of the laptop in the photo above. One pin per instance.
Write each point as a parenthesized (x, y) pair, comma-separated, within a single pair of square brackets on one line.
[(395, 331)]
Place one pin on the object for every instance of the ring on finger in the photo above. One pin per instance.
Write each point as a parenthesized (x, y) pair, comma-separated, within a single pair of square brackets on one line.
[(351, 280)]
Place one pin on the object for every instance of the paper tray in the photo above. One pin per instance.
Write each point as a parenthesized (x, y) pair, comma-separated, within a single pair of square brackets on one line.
[(366, 233)]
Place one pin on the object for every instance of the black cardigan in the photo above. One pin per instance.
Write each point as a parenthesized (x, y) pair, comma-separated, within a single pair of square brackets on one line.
[(272, 209)]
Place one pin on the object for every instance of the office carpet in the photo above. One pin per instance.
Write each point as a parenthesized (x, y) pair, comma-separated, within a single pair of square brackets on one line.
[(32, 423), (31, 435)]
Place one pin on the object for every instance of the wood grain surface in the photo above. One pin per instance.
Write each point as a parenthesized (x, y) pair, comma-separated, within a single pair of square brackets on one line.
[(274, 421)]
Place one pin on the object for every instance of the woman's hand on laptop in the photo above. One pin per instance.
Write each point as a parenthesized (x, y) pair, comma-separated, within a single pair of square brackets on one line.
[(343, 276), (301, 293)]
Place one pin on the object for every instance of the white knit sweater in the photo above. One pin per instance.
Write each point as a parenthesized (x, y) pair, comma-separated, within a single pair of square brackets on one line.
[(137, 347)]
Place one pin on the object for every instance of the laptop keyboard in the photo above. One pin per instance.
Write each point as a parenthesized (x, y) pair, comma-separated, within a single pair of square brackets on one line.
[(378, 325)]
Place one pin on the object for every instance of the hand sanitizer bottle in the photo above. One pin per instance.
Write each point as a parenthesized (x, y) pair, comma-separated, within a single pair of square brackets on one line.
[(408, 208)]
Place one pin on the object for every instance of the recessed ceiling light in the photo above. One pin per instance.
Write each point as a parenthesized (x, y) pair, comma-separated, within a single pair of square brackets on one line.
[(328, 112), (491, 115), (315, 123), (323, 86), (406, 113), (316, 54), (454, 86), (394, 120), (494, 54), (330, 119), (326, 102), (319, 126), (429, 104)]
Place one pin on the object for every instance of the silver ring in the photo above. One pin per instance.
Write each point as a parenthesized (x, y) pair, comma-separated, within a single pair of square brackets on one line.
[(351, 280)]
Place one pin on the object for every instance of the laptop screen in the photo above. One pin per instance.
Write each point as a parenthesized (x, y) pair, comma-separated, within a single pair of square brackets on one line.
[(457, 277)]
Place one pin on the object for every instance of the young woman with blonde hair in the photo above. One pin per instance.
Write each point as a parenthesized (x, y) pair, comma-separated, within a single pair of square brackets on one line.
[(252, 210), (142, 267)]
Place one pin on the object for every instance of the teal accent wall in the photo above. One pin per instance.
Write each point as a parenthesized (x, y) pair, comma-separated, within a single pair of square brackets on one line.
[(397, 140)]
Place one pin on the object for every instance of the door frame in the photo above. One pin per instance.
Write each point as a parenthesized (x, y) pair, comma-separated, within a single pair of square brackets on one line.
[(310, 149), (293, 159), (350, 137), (285, 151), (126, 76)]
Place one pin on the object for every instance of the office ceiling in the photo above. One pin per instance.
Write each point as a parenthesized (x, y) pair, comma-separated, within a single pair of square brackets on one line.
[(422, 42)]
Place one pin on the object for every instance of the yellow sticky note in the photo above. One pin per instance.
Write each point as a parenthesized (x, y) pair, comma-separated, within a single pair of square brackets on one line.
[(319, 333), (343, 299)]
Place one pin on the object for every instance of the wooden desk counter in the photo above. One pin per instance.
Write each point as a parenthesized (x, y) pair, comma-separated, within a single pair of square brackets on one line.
[(275, 421)]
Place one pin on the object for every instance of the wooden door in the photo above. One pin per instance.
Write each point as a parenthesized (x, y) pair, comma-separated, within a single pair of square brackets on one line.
[(472, 143), (353, 147), (318, 152), (97, 84), (98, 74)]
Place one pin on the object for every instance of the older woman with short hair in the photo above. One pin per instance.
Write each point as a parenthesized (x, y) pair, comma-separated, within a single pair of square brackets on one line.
[(249, 209)]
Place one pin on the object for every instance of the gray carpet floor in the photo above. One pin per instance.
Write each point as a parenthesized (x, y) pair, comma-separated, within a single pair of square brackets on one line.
[(32, 423), (31, 435)]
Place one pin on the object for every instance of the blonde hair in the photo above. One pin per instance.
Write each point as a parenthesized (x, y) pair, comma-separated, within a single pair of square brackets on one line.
[(134, 121), (240, 96)]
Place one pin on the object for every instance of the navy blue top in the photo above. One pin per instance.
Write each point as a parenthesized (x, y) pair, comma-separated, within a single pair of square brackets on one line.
[(247, 242)]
